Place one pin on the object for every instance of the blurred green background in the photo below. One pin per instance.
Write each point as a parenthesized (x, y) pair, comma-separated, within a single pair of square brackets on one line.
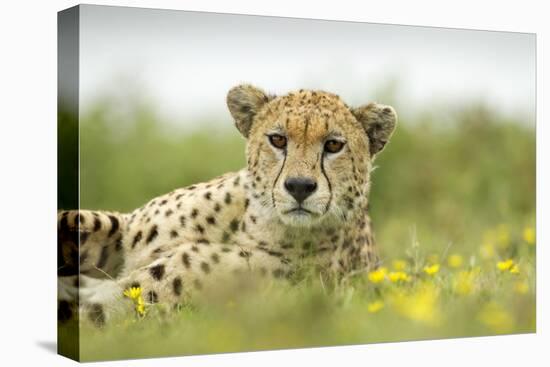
[(446, 175)]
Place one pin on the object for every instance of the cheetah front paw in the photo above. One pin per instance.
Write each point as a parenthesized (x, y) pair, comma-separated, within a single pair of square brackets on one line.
[(98, 299)]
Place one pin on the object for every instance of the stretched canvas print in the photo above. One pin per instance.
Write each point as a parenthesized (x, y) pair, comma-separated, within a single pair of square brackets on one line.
[(232, 183)]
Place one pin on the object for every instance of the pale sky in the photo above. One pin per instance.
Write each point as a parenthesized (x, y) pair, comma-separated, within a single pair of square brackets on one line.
[(185, 62)]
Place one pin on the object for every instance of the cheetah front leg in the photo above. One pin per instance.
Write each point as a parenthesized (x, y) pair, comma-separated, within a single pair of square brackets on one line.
[(90, 243), (181, 275)]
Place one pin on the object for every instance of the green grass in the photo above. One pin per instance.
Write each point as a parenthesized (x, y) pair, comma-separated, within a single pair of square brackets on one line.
[(312, 313), (463, 188), (309, 314)]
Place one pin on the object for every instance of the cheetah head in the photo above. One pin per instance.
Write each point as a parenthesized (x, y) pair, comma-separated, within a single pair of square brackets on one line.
[(308, 153)]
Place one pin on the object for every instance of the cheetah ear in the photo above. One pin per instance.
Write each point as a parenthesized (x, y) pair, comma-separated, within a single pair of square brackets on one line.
[(379, 122), (244, 102)]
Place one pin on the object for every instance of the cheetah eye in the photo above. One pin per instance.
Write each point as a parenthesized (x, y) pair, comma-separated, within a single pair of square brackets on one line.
[(278, 141), (333, 146)]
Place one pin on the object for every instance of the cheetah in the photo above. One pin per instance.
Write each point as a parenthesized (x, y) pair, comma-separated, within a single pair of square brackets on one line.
[(303, 195)]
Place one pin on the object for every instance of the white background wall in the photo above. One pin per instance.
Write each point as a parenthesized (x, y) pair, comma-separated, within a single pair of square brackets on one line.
[(185, 62), (27, 183)]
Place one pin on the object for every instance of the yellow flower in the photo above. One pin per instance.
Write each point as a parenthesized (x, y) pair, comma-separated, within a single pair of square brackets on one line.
[(140, 309), (420, 306), (529, 235), (432, 269), (521, 287), (508, 266), (396, 276), (378, 275), (133, 293), (455, 261), (399, 265), (375, 306), (496, 318), (505, 265)]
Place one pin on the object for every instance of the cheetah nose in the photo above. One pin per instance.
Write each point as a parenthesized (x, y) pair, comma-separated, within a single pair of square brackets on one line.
[(300, 187)]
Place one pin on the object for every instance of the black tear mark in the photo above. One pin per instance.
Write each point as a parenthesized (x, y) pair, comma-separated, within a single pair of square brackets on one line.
[(277, 179), (328, 183)]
